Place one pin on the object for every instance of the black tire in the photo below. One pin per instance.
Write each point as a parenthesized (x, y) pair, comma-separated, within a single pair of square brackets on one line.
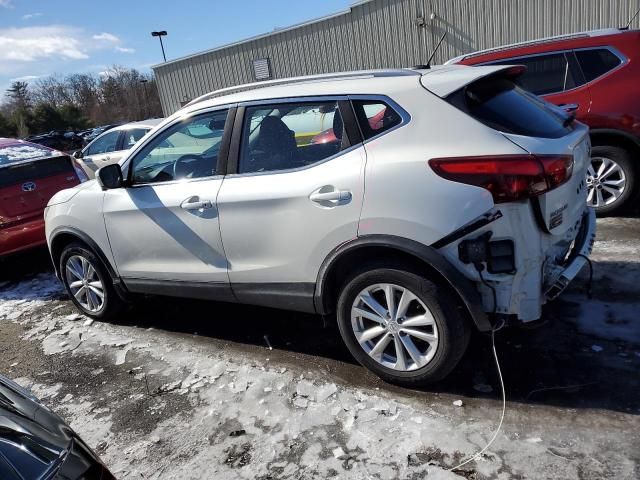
[(623, 158), (453, 327), (112, 303)]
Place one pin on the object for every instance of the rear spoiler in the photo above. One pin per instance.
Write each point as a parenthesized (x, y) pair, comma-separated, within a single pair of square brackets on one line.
[(445, 80)]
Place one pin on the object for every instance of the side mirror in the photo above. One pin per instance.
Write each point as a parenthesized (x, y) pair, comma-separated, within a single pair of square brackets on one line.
[(110, 176), (77, 154)]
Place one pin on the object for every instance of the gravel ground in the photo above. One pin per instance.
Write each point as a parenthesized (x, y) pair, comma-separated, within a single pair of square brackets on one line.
[(186, 389)]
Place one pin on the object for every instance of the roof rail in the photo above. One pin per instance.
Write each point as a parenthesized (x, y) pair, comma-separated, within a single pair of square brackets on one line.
[(569, 36), (303, 79)]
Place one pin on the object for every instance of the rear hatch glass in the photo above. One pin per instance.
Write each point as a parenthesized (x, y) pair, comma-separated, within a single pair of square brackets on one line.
[(500, 104), (27, 186)]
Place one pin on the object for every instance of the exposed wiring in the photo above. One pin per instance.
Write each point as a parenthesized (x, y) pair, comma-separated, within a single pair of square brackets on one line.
[(590, 284), (504, 402), (490, 287)]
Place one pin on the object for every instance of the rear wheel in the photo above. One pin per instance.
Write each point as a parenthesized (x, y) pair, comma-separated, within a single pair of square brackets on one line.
[(610, 179), (403, 327), (87, 282)]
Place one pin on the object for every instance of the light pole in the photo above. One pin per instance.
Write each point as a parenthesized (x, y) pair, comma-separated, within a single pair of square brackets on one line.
[(160, 34), (146, 97)]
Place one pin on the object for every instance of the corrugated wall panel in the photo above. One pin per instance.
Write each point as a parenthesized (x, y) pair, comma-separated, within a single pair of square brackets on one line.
[(385, 33)]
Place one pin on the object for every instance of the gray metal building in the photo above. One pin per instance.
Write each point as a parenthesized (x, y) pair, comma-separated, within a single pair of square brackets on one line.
[(380, 34)]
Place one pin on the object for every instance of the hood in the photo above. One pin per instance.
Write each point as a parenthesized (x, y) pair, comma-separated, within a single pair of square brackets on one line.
[(443, 80), (67, 194), (38, 443)]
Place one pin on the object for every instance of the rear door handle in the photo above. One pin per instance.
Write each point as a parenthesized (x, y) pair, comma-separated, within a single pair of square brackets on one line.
[(333, 196), (195, 204)]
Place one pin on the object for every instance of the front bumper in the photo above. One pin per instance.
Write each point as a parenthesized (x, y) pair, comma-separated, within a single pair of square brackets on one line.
[(578, 257)]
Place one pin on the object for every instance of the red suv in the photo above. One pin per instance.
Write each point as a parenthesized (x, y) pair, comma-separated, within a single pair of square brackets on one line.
[(597, 75), (30, 175)]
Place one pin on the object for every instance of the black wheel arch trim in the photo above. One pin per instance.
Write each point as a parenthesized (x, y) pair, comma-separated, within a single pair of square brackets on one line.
[(594, 132), (461, 285), (83, 237)]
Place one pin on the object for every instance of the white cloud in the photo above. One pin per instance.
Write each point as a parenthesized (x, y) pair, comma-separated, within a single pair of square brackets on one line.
[(106, 37), (29, 16), (30, 44), (6, 4), (125, 50)]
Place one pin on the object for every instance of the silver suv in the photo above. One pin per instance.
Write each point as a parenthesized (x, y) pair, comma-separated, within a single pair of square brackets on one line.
[(415, 205)]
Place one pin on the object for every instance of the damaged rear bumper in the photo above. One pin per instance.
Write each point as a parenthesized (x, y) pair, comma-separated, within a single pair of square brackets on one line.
[(578, 256)]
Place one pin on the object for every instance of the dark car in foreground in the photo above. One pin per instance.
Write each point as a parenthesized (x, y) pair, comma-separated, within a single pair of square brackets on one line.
[(35, 443), (30, 175), (596, 75)]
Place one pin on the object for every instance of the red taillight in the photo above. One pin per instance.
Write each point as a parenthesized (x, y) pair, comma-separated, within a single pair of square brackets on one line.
[(507, 177)]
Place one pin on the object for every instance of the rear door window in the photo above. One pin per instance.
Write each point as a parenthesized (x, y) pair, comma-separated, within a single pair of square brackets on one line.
[(545, 74), (290, 135), (596, 62), (502, 105)]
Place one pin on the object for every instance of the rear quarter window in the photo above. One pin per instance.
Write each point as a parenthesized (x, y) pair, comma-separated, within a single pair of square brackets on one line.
[(596, 62), (502, 105)]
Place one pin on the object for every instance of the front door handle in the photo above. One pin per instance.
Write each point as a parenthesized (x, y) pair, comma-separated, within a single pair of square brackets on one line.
[(331, 196), (194, 203)]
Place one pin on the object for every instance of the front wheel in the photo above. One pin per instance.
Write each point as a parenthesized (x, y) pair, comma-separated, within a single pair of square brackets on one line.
[(87, 282), (403, 327), (610, 179)]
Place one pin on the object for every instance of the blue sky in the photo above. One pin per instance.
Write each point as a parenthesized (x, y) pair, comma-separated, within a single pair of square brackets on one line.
[(40, 38)]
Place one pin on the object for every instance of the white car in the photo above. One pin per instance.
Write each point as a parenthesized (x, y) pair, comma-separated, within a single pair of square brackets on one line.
[(459, 207), (112, 145)]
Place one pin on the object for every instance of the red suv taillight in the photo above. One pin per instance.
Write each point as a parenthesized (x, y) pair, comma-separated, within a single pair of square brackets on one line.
[(507, 177)]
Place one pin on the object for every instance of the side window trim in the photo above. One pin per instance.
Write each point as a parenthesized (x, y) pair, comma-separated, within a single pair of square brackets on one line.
[(346, 110), (576, 70), (352, 129), (570, 57), (120, 141), (139, 147)]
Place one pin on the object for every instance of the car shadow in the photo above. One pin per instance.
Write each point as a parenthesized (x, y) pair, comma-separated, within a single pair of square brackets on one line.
[(562, 363), (555, 364), (21, 266), (147, 202)]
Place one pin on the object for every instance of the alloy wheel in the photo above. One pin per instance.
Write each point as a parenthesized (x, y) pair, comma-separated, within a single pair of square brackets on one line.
[(394, 327), (606, 182), (84, 283)]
